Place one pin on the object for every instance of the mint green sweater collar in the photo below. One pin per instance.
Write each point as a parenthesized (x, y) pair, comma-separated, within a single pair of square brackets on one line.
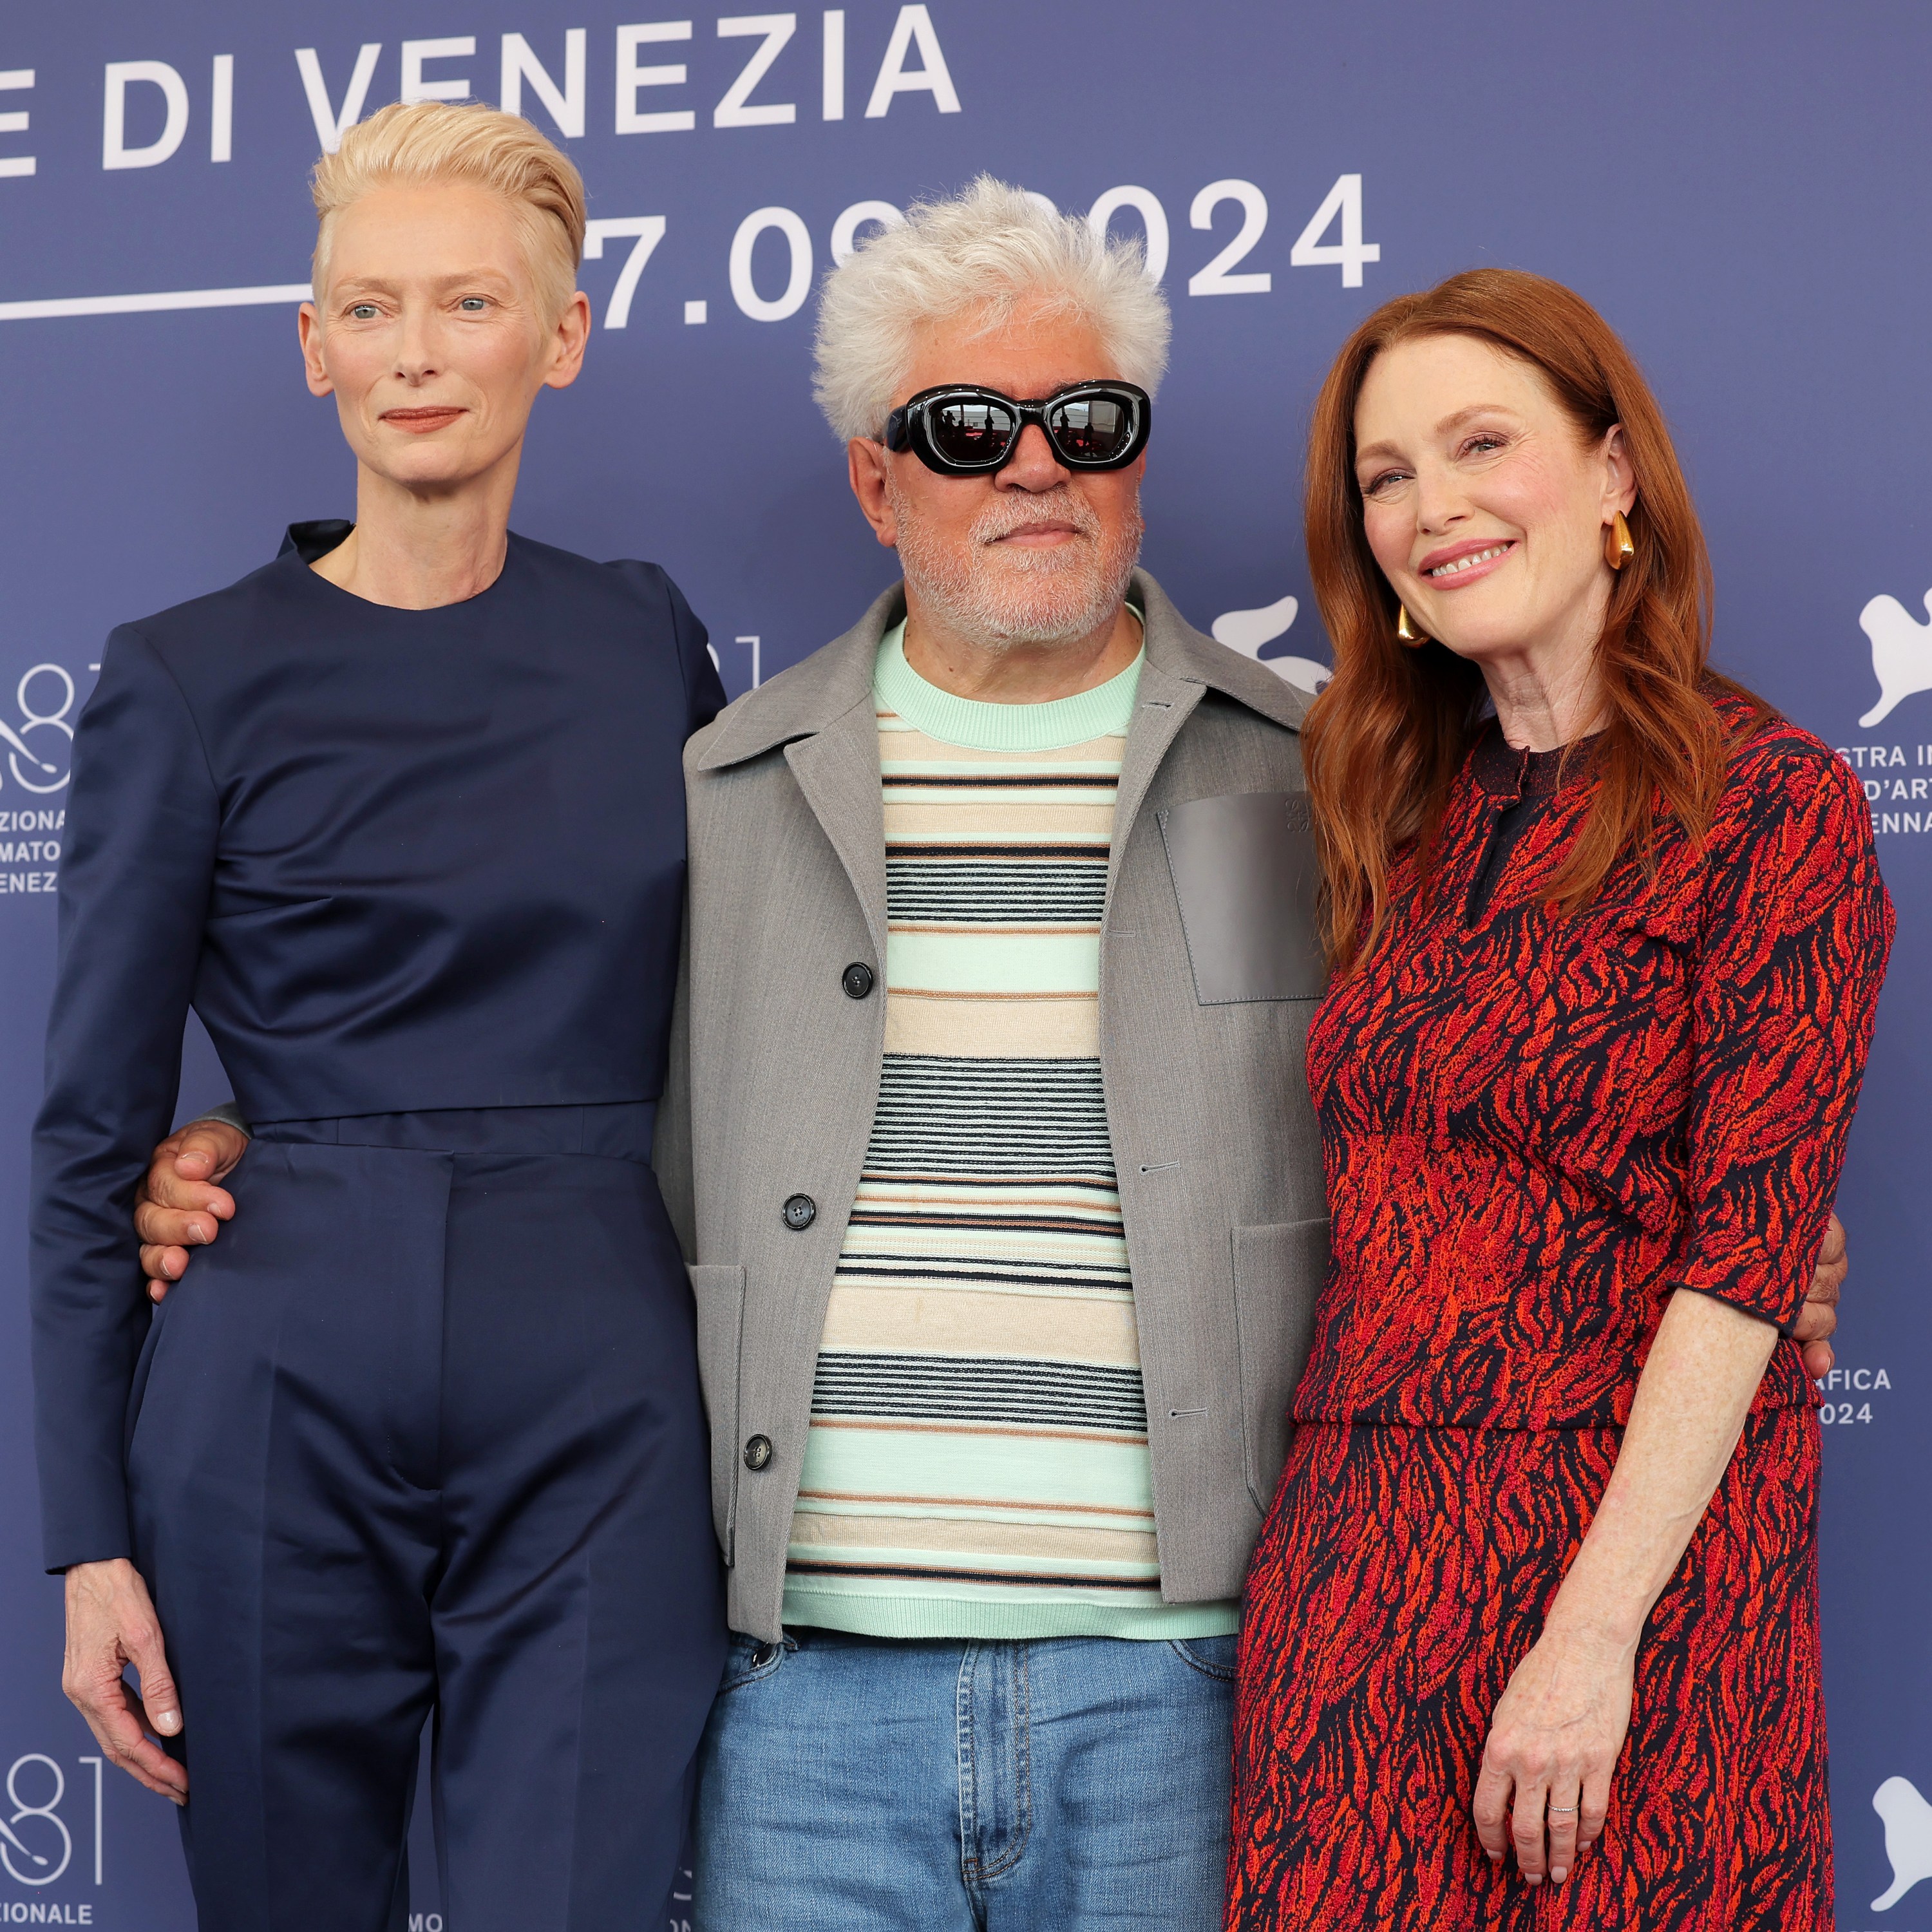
[(1106, 710)]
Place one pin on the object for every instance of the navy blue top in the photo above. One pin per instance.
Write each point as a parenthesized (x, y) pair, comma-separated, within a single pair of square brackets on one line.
[(396, 860)]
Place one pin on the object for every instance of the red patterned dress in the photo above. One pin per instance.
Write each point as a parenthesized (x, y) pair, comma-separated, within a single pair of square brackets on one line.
[(1534, 1129)]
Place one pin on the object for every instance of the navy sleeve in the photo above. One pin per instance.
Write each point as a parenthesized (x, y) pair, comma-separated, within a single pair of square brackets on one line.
[(142, 819), (703, 688)]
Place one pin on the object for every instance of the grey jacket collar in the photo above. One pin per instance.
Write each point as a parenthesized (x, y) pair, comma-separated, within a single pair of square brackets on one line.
[(836, 678)]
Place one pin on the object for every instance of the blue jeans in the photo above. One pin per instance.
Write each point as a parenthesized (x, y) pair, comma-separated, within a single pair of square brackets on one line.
[(874, 1784)]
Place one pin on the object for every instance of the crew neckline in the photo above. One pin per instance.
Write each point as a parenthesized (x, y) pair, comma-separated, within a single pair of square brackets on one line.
[(1501, 768), (1050, 725), (302, 549)]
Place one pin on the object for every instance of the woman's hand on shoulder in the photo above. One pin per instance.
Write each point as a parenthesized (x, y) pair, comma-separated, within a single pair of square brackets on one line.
[(1544, 1788)]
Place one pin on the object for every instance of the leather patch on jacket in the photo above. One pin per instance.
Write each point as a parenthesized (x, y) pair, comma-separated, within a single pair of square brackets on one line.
[(1245, 874)]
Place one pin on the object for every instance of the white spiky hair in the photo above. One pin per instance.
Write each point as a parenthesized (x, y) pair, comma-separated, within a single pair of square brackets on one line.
[(988, 251)]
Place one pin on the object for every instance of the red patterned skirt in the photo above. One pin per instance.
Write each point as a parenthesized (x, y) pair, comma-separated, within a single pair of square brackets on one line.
[(1401, 1576)]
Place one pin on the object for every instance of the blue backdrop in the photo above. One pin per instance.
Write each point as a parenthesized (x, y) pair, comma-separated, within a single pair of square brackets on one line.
[(1742, 189)]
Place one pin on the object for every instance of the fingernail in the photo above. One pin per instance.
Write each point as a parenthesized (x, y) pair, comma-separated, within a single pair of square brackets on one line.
[(1534, 1878), (1557, 1875), (167, 1723)]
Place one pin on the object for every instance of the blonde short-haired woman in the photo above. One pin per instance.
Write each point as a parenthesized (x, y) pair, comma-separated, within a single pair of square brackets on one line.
[(400, 816)]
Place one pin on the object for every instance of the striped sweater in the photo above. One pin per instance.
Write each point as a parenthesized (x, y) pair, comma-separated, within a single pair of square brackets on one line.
[(977, 1465)]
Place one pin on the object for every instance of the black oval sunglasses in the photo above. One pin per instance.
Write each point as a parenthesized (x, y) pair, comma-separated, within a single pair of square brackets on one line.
[(961, 429)]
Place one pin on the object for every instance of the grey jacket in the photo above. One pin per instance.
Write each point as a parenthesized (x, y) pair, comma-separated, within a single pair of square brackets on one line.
[(1209, 971)]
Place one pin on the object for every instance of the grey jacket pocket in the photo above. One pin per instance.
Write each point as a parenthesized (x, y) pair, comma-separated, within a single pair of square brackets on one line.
[(1278, 1276), (718, 1290), (1245, 874)]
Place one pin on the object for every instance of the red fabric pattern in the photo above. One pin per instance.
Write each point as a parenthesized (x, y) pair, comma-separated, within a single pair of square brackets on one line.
[(1403, 1575), (1534, 1129)]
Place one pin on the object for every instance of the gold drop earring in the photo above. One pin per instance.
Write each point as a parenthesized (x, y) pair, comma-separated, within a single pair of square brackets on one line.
[(1405, 632), (1617, 548)]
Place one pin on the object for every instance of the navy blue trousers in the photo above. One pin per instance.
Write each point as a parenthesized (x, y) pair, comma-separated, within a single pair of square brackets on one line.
[(421, 1436)]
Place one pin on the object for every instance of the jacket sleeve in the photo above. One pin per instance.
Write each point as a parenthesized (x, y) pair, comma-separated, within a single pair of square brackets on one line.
[(1798, 927), (143, 818), (670, 1153)]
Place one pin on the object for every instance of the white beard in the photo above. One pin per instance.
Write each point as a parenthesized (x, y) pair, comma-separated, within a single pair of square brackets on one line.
[(995, 599)]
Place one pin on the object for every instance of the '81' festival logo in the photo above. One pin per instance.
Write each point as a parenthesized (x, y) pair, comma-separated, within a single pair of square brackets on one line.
[(37, 1843), (39, 747)]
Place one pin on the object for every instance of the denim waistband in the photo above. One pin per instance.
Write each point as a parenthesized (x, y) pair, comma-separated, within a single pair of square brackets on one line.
[(614, 1130)]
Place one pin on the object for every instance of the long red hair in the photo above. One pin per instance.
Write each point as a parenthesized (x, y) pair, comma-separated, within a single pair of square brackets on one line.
[(1386, 736)]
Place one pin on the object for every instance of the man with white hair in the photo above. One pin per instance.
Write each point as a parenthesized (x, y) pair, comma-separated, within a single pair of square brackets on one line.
[(1002, 1184)]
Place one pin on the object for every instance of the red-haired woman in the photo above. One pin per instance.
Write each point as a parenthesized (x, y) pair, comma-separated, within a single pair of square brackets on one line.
[(1532, 1631)]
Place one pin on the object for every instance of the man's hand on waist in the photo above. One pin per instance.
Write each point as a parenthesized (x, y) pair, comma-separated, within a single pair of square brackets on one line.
[(179, 1205), (1818, 1319)]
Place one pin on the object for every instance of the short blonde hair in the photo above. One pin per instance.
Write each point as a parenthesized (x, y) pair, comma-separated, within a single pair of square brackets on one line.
[(988, 252), (417, 142)]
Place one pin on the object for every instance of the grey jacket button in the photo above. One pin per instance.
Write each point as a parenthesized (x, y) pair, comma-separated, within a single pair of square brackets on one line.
[(856, 980), (800, 1211), (757, 1452)]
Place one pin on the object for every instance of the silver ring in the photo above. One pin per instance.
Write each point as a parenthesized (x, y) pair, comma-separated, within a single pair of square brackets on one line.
[(1561, 1810)]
